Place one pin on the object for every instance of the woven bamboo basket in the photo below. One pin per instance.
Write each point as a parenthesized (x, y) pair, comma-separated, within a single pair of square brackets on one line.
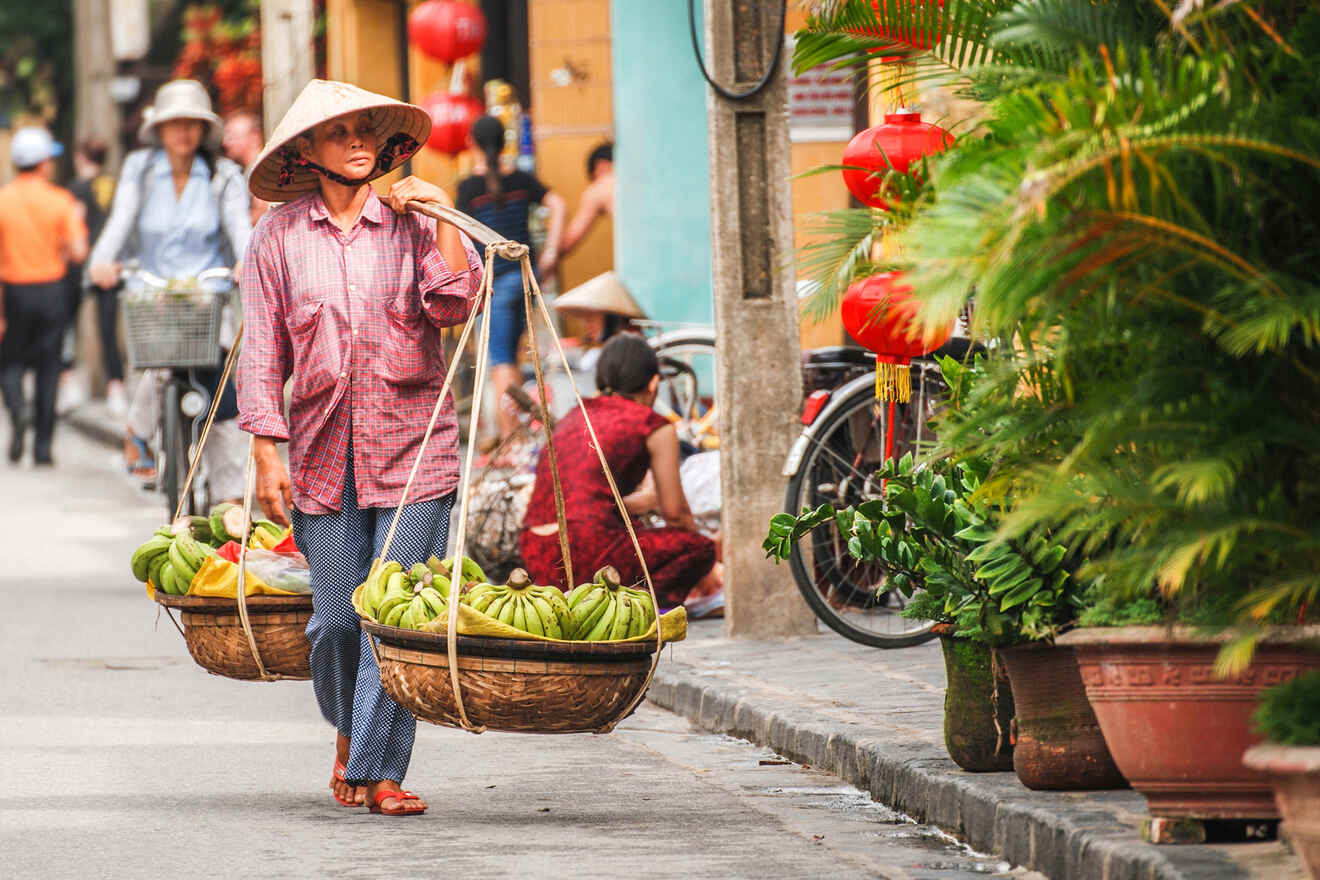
[(221, 633), (214, 634), (513, 685)]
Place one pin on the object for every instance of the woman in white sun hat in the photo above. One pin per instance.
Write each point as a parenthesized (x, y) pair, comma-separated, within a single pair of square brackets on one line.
[(347, 298), (179, 209)]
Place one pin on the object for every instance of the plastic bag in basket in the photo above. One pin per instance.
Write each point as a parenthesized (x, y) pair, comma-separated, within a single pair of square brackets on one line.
[(268, 574)]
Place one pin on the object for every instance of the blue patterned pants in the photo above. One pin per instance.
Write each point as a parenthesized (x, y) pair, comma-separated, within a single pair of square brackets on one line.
[(340, 548)]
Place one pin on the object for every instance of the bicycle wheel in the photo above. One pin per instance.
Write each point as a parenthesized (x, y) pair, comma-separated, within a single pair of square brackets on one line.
[(172, 446), (687, 383), (848, 596)]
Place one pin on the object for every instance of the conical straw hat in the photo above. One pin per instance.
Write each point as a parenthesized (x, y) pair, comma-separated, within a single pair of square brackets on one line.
[(604, 293), (276, 176)]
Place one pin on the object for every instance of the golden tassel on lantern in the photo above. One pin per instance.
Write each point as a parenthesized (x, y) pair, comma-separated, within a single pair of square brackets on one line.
[(893, 381)]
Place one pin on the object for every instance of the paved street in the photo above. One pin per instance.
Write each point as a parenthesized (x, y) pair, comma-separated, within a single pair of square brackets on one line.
[(126, 760)]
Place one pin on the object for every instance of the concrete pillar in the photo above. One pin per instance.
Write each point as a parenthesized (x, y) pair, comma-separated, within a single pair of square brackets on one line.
[(758, 361), (95, 112), (288, 55)]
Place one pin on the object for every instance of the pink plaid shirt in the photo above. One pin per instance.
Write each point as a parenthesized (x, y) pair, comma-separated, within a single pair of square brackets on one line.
[(354, 318)]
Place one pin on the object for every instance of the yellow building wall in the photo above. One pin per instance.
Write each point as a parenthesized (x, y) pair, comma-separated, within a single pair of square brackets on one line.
[(814, 195), (569, 121)]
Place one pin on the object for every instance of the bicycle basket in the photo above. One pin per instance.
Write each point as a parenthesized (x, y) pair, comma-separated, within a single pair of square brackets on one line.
[(172, 328)]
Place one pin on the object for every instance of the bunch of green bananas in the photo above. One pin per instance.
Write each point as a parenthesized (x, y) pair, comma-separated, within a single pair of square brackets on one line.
[(225, 523), (410, 598), (522, 605), (198, 527), (604, 610), (170, 560), (472, 573)]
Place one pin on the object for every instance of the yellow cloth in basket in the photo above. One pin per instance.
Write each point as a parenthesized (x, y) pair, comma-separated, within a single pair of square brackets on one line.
[(219, 577)]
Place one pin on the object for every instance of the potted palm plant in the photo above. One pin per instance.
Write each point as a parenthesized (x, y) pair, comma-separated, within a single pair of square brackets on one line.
[(997, 604), (1140, 223), (1289, 717)]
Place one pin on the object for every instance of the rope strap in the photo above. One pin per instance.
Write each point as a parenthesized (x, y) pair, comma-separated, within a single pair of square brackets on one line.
[(230, 360), (532, 297)]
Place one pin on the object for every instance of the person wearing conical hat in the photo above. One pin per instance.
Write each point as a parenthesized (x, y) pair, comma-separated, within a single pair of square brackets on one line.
[(345, 294)]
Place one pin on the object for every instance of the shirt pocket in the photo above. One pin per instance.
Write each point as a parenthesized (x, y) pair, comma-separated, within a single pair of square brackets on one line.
[(316, 354), (411, 346)]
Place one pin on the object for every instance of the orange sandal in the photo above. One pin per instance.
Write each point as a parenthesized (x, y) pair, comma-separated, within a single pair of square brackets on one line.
[(401, 797), (340, 776)]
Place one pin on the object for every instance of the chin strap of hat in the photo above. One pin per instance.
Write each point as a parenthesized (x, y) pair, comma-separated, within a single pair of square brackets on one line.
[(400, 145)]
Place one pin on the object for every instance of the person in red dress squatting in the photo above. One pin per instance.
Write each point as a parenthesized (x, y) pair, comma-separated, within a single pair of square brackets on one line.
[(347, 298), (635, 439)]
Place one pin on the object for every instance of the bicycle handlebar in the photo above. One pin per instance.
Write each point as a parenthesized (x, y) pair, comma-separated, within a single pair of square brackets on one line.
[(131, 271)]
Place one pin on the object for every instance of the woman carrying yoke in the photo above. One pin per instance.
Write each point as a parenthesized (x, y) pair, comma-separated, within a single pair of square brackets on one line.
[(347, 298)]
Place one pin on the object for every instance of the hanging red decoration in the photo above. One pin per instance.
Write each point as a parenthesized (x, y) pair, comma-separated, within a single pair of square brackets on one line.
[(879, 312), (451, 120), (447, 30), (901, 139)]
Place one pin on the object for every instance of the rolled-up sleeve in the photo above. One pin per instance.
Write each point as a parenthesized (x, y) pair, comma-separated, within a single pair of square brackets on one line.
[(447, 296), (265, 363)]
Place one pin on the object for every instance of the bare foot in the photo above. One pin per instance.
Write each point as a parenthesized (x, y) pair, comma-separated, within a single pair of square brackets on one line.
[(406, 804), (354, 795)]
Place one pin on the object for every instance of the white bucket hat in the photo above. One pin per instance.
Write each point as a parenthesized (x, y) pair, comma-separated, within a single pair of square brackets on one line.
[(604, 293), (280, 174), (181, 99)]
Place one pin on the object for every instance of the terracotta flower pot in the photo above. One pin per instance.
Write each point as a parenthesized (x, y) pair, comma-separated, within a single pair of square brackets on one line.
[(1176, 730), (1058, 745), (1294, 772), (978, 707)]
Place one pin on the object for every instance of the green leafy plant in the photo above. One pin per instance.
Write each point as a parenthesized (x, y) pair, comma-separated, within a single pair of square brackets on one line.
[(1289, 713), (937, 542), (1139, 222), (936, 534)]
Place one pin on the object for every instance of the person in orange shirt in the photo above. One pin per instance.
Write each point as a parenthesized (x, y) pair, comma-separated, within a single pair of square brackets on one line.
[(42, 230)]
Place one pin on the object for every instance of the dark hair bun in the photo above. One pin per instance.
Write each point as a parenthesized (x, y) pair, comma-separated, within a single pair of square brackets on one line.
[(626, 365)]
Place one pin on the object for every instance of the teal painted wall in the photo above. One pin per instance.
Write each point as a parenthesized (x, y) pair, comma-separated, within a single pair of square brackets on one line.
[(662, 188)]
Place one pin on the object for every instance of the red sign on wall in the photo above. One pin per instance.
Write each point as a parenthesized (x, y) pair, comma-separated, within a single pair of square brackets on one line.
[(820, 103)]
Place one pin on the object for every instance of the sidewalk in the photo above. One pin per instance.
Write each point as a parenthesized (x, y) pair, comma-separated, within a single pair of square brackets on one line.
[(875, 719), (94, 419)]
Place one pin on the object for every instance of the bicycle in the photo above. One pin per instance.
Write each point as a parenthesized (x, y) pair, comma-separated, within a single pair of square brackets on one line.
[(174, 327), (687, 383), (834, 461)]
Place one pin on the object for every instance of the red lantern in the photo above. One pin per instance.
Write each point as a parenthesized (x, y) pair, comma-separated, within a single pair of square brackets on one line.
[(880, 312), (901, 139), (451, 120), (447, 30)]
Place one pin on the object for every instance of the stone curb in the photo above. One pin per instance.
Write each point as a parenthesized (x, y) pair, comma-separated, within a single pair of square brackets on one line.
[(1044, 831)]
